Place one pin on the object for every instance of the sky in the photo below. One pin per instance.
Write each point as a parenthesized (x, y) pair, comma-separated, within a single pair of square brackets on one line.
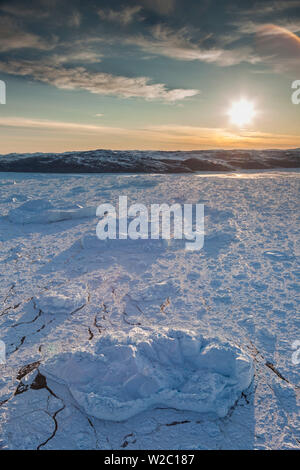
[(148, 74)]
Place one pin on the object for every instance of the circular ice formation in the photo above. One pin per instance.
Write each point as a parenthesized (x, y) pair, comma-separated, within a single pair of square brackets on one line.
[(146, 369)]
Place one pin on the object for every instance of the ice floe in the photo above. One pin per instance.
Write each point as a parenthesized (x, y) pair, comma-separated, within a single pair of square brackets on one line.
[(128, 374)]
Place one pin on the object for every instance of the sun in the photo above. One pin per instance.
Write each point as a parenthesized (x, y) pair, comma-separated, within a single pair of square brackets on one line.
[(241, 112)]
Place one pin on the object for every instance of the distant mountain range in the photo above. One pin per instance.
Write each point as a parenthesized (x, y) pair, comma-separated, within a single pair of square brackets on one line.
[(111, 161)]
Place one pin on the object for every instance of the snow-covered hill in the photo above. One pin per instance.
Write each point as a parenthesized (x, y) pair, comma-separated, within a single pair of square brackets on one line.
[(109, 161)]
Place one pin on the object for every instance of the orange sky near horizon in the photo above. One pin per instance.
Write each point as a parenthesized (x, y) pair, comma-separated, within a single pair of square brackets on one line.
[(52, 136)]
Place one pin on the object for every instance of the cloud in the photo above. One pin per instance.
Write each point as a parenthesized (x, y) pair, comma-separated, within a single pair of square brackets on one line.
[(266, 8), (251, 27), (178, 45), (75, 19), (163, 7), (41, 9), (13, 36), (279, 47), (77, 78), (123, 16), (80, 56), (28, 123)]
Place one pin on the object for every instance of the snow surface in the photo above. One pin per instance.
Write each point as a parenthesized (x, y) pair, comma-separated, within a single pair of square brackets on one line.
[(41, 211), (143, 344)]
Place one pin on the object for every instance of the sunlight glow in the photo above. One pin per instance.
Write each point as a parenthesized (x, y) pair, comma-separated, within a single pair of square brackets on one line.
[(241, 112)]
